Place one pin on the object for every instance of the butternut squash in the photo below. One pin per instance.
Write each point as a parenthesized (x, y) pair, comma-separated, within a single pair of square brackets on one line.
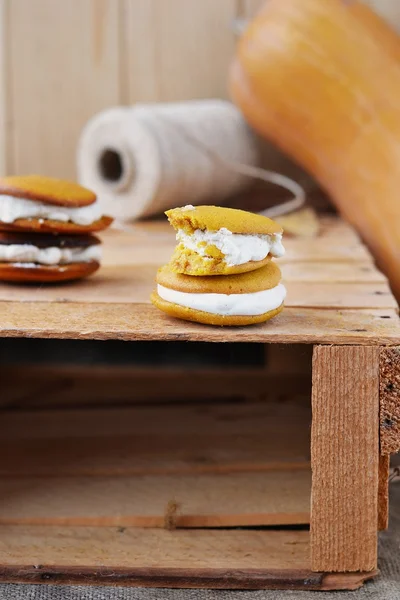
[(321, 79)]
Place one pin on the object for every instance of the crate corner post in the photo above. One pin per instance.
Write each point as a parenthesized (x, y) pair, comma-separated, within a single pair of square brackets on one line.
[(345, 458)]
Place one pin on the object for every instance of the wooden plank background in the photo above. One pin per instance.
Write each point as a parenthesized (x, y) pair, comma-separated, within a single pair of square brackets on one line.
[(61, 62)]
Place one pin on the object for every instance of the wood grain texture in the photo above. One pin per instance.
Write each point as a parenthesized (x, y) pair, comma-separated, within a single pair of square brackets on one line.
[(157, 558), (114, 303), (167, 59), (345, 458), (72, 72), (130, 322), (389, 416), (4, 104), (200, 500), (383, 493), (217, 579), (176, 440), (65, 386), (127, 284)]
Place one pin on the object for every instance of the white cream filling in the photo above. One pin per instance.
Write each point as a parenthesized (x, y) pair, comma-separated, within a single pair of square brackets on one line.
[(27, 253), (12, 208), (256, 303), (236, 247)]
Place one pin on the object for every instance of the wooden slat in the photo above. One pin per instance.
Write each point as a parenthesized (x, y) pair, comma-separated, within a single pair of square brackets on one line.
[(345, 458), (340, 272), (4, 104), (70, 320), (127, 279), (157, 558), (383, 493), (224, 500), (150, 547), (163, 61), (134, 284), (72, 72), (73, 385), (219, 465), (218, 438), (339, 295), (389, 417)]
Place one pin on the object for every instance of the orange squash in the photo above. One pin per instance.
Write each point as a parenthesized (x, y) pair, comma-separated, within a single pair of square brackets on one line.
[(321, 79)]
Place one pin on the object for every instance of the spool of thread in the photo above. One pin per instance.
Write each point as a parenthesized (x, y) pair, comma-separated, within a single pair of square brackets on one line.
[(144, 159)]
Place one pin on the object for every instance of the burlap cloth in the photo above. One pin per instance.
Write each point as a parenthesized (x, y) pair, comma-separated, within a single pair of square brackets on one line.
[(385, 587)]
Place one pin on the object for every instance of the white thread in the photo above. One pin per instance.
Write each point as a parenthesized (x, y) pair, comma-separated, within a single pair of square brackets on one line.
[(145, 159)]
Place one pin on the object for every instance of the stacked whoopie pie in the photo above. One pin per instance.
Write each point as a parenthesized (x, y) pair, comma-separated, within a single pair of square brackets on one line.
[(46, 230), (221, 272)]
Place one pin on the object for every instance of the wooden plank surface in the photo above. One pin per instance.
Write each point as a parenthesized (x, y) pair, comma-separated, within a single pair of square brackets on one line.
[(130, 322), (72, 72), (141, 440), (227, 559), (115, 302), (187, 501), (63, 385), (150, 548), (345, 458), (389, 416), (224, 464), (134, 284), (4, 104), (167, 59)]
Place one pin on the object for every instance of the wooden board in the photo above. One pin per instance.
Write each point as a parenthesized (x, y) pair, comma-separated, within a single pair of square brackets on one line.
[(199, 465), (114, 304), (63, 385), (192, 439), (162, 61), (227, 559), (4, 105), (180, 501), (127, 284), (50, 104), (345, 458), (133, 322)]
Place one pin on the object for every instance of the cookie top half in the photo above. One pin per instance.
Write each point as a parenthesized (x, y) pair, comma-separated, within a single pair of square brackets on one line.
[(213, 218), (262, 279), (48, 190)]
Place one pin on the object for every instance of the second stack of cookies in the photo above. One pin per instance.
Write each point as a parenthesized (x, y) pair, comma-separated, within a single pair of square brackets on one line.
[(222, 272)]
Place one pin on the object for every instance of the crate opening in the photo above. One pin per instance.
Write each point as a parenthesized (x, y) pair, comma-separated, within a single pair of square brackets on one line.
[(96, 450)]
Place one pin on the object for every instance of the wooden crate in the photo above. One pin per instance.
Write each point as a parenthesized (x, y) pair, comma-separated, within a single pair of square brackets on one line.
[(202, 477)]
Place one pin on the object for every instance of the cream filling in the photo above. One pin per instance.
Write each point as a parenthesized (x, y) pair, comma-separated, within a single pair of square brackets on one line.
[(27, 253), (237, 248), (12, 208), (256, 303)]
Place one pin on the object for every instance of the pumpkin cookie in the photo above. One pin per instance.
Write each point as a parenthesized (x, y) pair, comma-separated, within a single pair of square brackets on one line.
[(222, 241), (40, 258), (221, 300), (43, 204)]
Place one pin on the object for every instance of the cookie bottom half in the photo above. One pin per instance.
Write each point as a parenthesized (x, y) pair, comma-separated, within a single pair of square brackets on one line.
[(35, 273), (199, 316)]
